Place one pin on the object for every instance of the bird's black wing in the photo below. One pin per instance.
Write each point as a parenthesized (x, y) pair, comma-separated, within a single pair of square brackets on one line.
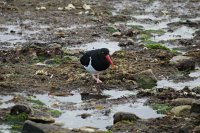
[(85, 59)]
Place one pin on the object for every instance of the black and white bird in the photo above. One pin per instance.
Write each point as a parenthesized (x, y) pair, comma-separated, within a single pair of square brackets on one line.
[(96, 61)]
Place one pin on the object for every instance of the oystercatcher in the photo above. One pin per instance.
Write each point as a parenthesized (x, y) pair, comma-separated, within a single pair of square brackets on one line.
[(96, 61)]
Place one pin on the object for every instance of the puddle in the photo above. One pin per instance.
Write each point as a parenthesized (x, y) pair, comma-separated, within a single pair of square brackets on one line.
[(4, 101), (156, 5), (178, 86), (17, 33), (149, 16), (139, 109), (7, 36), (101, 43), (164, 83), (154, 26), (100, 118), (6, 129), (103, 118), (49, 100), (114, 94), (76, 26), (183, 32)]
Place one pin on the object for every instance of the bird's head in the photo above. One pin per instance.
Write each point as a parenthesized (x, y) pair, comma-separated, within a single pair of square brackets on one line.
[(105, 52)]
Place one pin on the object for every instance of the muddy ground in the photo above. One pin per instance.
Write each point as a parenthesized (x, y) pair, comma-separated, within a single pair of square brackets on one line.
[(37, 55)]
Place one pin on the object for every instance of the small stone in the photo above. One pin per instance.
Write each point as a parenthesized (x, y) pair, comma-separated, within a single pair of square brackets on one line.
[(86, 7), (88, 129), (60, 8), (120, 116), (195, 107), (43, 8), (50, 61), (116, 34), (70, 7), (182, 110), (85, 115), (20, 108)]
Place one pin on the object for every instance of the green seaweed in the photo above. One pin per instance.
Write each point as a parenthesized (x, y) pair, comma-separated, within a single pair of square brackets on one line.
[(157, 46), (37, 102), (161, 108), (111, 29), (56, 113), (16, 118)]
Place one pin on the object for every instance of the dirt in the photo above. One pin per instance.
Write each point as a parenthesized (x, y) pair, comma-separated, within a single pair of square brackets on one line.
[(35, 32)]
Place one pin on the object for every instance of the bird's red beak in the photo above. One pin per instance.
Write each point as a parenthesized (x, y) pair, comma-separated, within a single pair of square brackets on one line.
[(109, 59)]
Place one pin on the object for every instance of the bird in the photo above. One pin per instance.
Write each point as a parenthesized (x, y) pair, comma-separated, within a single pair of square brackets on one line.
[(96, 61)]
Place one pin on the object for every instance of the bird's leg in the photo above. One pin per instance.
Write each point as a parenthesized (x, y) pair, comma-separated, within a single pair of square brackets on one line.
[(96, 78)]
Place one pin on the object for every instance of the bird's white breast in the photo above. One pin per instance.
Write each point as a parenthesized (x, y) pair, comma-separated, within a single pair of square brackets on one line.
[(90, 69)]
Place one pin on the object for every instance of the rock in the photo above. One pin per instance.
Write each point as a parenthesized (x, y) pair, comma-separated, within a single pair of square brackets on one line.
[(50, 61), (146, 79), (70, 7), (129, 33), (195, 107), (183, 101), (116, 34), (60, 8), (85, 115), (196, 129), (20, 108), (120, 116), (182, 110), (41, 117), (54, 45), (183, 63), (196, 89), (87, 130), (186, 128), (32, 127), (86, 7)]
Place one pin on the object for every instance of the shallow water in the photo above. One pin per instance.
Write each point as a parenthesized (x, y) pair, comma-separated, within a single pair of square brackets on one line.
[(4, 101), (101, 43), (179, 85), (154, 26), (183, 32), (100, 118)]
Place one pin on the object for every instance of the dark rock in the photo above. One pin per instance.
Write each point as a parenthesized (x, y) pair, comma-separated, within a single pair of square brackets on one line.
[(120, 116), (129, 32), (195, 107), (186, 65), (32, 127), (85, 115), (183, 63), (187, 128), (88, 96), (20, 108), (50, 61), (196, 90)]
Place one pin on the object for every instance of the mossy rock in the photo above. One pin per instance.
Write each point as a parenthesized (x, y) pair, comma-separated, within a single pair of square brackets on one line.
[(146, 79)]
